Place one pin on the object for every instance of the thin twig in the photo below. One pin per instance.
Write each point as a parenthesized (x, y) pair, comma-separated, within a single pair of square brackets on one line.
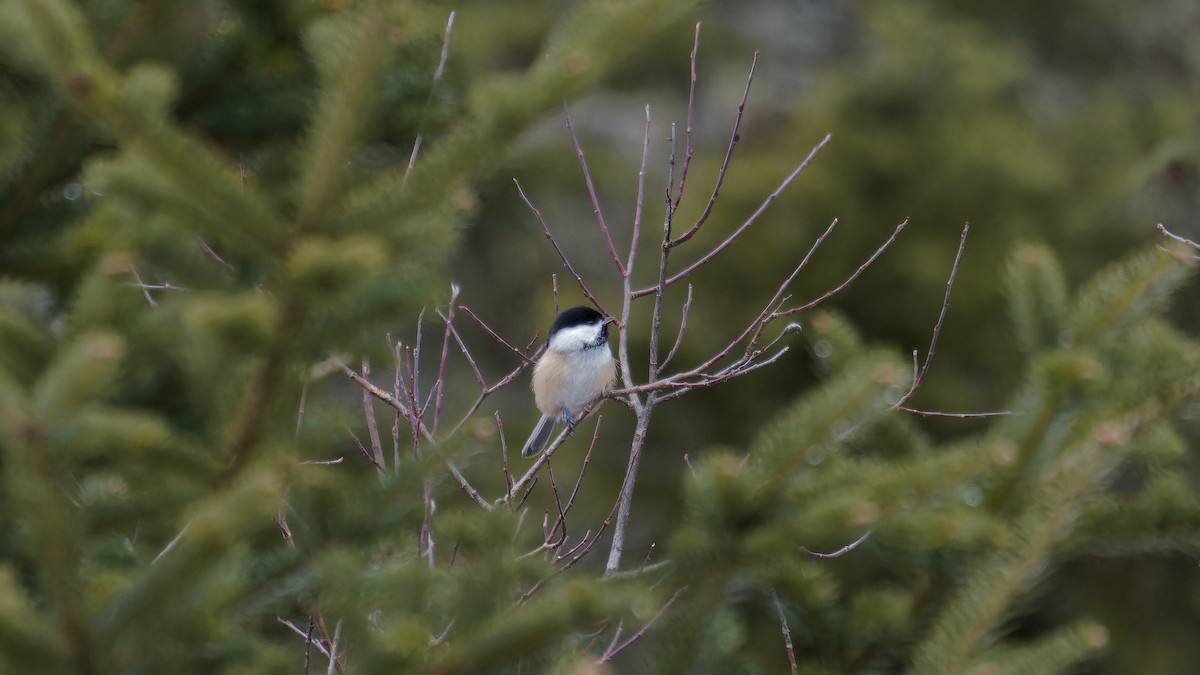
[(842, 286), (562, 514), (145, 289), (440, 385), (664, 254), (300, 411), (919, 377), (683, 315), (496, 336), (591, 188), (688, 150), (504, 456), (213, 254), (369, 414), (306, 635), (562, 254), (734, 137), (745, 225), (462, 347), (437, 76), (1182, 240), (787, 632), (171, 544), (587, 458), (961, 416), (370, 457), (333, 646), (308, 644), (841, 551), (322, 462), (610, 653), (766, 315)]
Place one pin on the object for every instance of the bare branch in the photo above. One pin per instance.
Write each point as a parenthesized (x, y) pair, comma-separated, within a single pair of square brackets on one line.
[(587, 458), (683, 315), (787, 632), (462, 347), (322, 462), (633, 400), (437, 76), (733, 140), (213, 254), (745, 225), (1182, 240), (504, 455), (688, 150), (145, 289), (561, 254), (369, 414), (495, 336), (333, 647), (841, 551), (591, 188), (609, 653), (919, 377), (554, 291), (961, 416), (397, 405), (766, 315), (641, 194), (308, 641), (171, 544), (664, 254), (370, 457), (625, 497), (448, 318), (300, 411), (842, 286)]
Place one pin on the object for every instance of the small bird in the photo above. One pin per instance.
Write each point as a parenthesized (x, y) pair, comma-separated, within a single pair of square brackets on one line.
[(574, 371)]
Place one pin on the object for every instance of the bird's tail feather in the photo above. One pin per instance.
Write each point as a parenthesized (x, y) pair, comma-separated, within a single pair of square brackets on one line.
[(540, 436)]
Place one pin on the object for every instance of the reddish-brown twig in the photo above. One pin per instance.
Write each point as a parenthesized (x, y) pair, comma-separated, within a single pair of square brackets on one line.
[(688, 150), (683, 316), (591, 188), (734, 137), (400, 407), (849, 280), (562, 254), (523, 355), (562, 515), (919, 376), (587, 458), (745, 225), (365, 453), (504, 455)]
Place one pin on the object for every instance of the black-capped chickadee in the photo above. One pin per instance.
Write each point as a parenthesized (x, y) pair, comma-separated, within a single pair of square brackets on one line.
[(574, 371)]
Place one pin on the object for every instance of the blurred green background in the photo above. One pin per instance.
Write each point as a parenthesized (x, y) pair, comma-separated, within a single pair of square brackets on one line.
[(1072, 124)]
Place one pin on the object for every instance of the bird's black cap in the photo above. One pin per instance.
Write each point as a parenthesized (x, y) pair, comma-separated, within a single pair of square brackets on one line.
[(576, 316)]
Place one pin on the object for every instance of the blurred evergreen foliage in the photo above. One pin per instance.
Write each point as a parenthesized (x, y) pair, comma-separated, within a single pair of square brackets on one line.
[(158, 512)]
